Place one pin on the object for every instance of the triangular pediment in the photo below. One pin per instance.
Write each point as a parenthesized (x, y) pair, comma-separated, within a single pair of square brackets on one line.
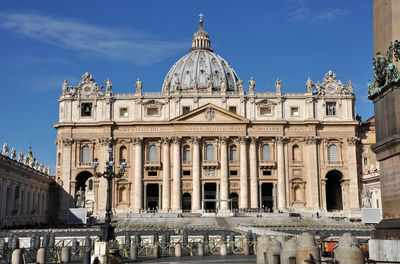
[(210, 113)]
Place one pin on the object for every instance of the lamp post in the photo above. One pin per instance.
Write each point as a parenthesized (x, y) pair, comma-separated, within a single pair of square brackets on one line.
[(107, 230)]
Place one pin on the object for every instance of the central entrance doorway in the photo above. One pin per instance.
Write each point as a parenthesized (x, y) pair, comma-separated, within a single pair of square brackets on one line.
[(152, 197), (210, 196), (267, 199)]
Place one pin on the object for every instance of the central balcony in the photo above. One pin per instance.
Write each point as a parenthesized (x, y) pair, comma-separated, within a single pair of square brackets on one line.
[(267, 164), (210, 164), (152, 165)]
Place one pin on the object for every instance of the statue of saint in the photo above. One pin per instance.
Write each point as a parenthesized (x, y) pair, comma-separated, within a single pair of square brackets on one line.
[(108, 86), (139, 86), (13, 153), (240, 84), (5, 149), (252, 87), (278, 85), (80, 198), (223, 85), (209, 83), (20, 156), (31, 162), (309, 85), (65, 87), (36, 166)]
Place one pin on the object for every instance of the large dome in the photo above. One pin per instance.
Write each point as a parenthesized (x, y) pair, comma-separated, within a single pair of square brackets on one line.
[(201, 69)]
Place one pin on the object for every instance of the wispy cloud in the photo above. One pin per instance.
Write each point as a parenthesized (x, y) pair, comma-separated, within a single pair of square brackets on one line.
[(113, 43), (306, 14), (49, 83)]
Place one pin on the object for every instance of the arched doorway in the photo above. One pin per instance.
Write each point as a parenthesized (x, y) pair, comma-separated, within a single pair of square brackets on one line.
[(333, 191), (186, 202), (234, 197), (81, 188)]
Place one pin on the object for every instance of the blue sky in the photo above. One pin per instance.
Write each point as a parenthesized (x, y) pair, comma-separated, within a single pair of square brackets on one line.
[(45, 42)]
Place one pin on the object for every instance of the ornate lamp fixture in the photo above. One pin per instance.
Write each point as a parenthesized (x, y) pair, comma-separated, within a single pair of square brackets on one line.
[(107, 230)]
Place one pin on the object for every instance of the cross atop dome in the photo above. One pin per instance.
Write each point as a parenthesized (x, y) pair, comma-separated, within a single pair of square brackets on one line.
[(201, 39)]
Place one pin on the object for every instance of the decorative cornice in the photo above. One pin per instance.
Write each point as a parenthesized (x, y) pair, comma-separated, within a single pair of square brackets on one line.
[(352, 140), (281, 140), (311, 140), (106, 141)]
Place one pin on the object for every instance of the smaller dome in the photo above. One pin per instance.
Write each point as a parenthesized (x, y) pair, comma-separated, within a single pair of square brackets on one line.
[(201, 69)]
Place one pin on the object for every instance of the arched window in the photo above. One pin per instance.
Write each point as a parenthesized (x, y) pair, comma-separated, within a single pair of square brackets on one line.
[(59, 159), (296, 153), (332, 153), (210, 152), (85, 154), (266, 152), (123, 153), (186, 154), (153, 153), (233, 153)]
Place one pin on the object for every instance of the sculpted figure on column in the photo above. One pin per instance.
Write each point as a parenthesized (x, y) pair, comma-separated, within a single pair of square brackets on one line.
[(13, 153), (108, 86), (309, 85), (278, 85), (20, 156), (5, 149), (65, 87), (252, 87)]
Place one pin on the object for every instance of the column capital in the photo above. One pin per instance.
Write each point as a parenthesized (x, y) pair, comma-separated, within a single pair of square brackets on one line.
[(223, 139), (352, 140), (195, 140), (68, 141), (137, 141), (253, 140), (176, 140), (105, 141), (165, 140), (311, 139), (243, 139), (281, 140)]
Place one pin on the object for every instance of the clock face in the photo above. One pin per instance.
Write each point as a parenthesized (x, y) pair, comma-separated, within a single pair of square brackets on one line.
[(87, 89), (331, 88)]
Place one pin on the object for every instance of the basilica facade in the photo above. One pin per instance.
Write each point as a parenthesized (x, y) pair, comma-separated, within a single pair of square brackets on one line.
[(209, 142)]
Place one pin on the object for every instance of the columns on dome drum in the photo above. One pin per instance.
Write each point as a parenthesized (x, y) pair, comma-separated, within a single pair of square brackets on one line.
[(253, 173), (176, 187), (166, 175), (244, 203), (224, 175), (138, 184), (196, 175), (281, 174)]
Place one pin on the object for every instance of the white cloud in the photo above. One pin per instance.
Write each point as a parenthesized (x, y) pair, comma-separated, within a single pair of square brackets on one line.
[(113, 43), (305, 13)]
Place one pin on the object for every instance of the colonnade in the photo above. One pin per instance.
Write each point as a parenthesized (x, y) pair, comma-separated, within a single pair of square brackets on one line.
[(171, 198)]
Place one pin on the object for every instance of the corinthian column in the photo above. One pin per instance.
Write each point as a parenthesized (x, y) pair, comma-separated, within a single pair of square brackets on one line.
[(166, 196), (224, 175), (253, 173), (66, 199), (138, 184), (244, 199), (196, 175), (354, 202), (281, 174), (313, 188), (176, 188)]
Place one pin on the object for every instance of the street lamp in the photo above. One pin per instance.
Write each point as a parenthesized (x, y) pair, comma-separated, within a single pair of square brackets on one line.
[(107, 230)]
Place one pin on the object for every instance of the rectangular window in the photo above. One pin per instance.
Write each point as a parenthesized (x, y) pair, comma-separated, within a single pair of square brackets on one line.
[(232, 109), (232, 154), (294, 111), (185, 109), (186, 173), (267, 173), (86, 109), (365, 161), (152, 111), (233, 172), (152, 173), (265, 110), (123, 112), (330, 108)]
